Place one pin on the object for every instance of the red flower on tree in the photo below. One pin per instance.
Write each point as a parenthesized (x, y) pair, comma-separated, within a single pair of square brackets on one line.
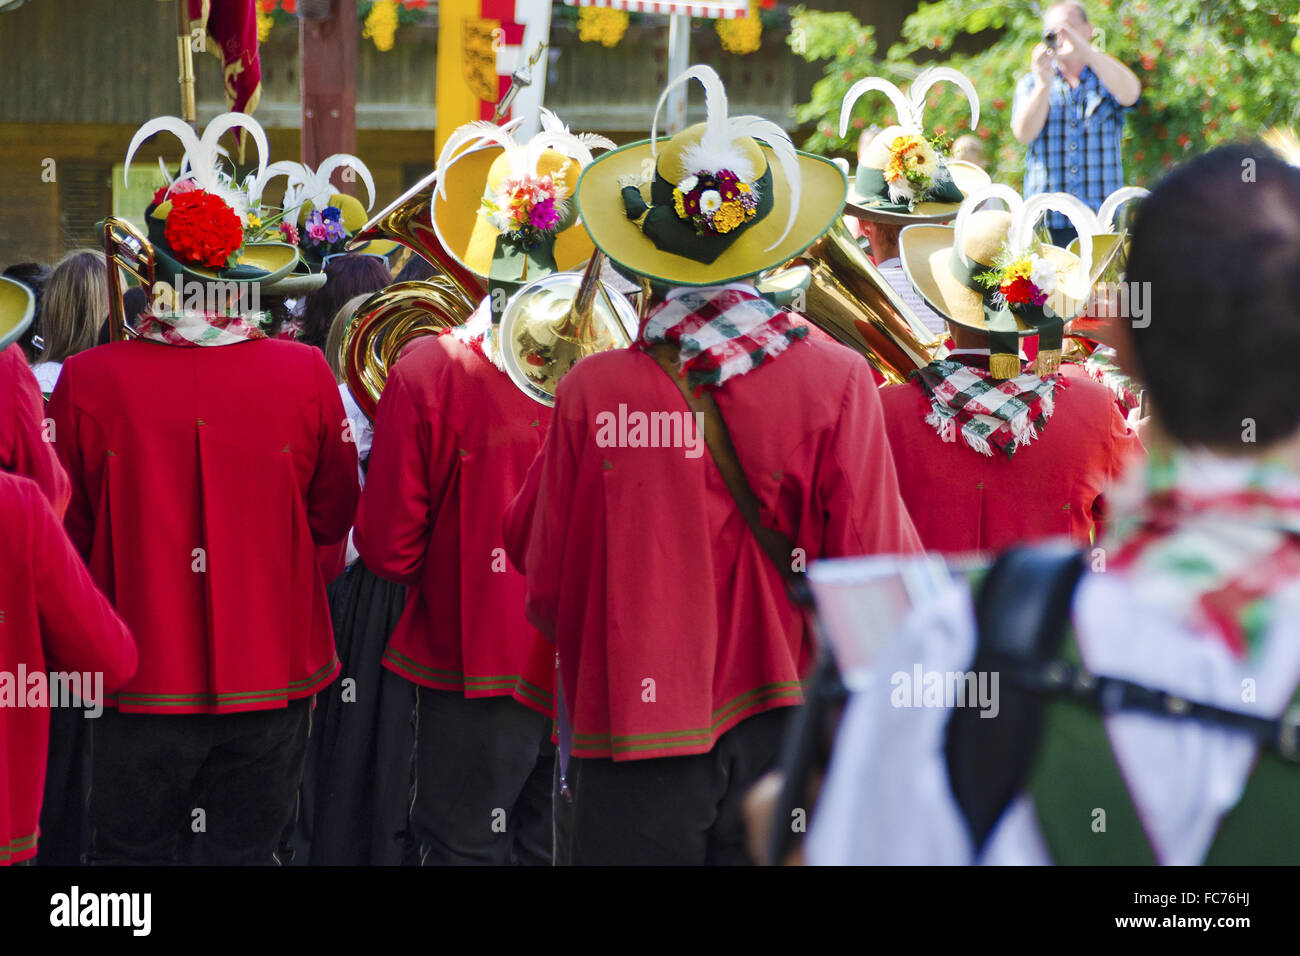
[(203, 229)]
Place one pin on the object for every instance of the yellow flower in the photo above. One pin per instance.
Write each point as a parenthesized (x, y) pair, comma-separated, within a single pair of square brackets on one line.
[(381, 24), (264, 23), (601, 25), (254, 221), (679, 204), (741, 35), (728, 217)]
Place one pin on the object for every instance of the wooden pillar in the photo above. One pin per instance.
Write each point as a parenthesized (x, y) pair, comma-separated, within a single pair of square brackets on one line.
[(328, 58)]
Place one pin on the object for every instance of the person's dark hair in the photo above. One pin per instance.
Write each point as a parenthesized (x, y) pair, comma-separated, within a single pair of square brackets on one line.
[(416, 268), (346, 276), (278, 314), (33, 275), (1216, 256)]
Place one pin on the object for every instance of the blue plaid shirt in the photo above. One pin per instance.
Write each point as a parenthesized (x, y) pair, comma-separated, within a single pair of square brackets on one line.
[(1078, 149)]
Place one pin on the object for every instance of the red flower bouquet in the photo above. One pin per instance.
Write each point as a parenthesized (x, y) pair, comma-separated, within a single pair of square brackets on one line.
[(202, 229)]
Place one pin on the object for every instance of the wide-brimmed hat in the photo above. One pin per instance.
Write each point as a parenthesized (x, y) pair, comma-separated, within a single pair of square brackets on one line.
[(503, 209), (987, 272), (722, 200), (902, 178), (17, 306), (213, 243)]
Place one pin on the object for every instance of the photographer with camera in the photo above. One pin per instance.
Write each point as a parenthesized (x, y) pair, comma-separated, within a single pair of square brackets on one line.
[(1070, 112)]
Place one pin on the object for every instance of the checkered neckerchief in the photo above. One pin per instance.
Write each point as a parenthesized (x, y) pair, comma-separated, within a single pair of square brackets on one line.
[(192, 327), (991, 413), (721, 332)]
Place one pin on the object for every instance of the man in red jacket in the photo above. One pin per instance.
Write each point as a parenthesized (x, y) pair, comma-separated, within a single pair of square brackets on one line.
[(992, 451), (54, 624), (680, 653), (208, 463), (454, 438)]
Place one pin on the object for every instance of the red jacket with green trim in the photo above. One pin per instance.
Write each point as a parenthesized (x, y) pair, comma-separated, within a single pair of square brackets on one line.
[(453, 441), (203, 481), (23, 448), (671, 622), (52, 618)]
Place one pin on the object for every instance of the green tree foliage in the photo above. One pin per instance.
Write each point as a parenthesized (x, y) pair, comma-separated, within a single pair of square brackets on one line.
[(1212, 71)]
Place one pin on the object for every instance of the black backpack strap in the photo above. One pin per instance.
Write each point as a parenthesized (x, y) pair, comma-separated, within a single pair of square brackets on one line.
[(1021, 613)]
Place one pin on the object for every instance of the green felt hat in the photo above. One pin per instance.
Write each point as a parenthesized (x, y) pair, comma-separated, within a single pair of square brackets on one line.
[(902, 178)]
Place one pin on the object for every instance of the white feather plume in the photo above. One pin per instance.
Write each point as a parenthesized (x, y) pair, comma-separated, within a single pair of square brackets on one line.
[(1021, 233), (717, 149), (1015, 202), (934, 74), (202, 157), (1110, 205), (908, 117)]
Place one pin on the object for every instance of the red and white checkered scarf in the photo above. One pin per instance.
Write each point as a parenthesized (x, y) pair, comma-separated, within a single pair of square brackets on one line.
[(721, 332)]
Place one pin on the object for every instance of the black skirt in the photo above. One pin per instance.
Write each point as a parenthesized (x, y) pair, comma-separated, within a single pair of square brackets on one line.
[(355, 797)]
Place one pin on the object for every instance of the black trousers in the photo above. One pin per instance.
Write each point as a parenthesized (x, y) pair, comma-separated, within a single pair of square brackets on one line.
[(667, 811), (483, 781), (152, 773)]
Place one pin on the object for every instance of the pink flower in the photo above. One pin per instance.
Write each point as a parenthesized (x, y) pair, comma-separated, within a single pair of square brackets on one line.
[(316, 231), (544, 215), (290, 233)]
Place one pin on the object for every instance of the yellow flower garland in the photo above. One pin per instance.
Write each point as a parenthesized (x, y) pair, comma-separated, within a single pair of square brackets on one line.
[(381, 24), (264, 23), (741, 35), (601, 25)]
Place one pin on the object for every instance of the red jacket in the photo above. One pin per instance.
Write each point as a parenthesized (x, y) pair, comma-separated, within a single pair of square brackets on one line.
[(672, 624), (962, 501), (453, 440), (203, 480), (535, 688), (52, 618), (24, 448)]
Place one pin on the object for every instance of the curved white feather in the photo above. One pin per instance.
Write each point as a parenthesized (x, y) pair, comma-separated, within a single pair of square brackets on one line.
[(935, 74), (907, 117), (161, 124), (1110, 205), (330, 163), (207, 164), (779, 140), (715, 108), (1015, 202), (1085, 223), (464, 139)]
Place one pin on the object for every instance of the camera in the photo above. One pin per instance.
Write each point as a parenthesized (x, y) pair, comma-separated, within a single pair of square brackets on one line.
[(1050, 39)]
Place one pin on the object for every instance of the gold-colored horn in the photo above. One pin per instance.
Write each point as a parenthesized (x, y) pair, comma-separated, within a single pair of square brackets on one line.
[(549, 325), (407, 220), (387, 322), (850, 300), (125, 249)]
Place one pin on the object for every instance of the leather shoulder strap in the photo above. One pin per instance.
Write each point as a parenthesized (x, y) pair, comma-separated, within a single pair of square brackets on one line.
[(1021, 613), (776, 545)]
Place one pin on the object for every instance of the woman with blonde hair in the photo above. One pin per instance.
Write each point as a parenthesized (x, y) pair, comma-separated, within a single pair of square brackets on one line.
[(74, 308)]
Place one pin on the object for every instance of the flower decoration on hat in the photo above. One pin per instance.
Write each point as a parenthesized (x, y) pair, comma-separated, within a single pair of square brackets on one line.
[(311, 199), (1025, 275), (715, 203), (202, 215), (903, 167)]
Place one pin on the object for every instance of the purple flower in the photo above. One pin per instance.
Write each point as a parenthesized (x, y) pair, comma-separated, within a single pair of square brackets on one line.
[(334, 230), (544, 215)]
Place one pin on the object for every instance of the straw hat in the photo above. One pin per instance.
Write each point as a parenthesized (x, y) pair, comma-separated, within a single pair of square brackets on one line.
[(880, 192), (17, 306), (956, 268), (504, 210), (712, 203)]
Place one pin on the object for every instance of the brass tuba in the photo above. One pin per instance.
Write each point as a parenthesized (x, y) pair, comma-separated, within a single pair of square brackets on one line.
[(549, 324), (852, 302), (400, 313)]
